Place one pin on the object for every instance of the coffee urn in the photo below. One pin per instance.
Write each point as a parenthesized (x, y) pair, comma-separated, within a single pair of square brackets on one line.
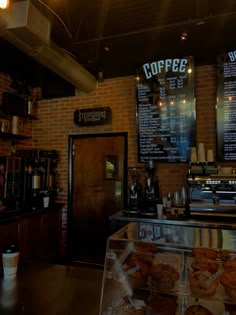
[(36, 187)]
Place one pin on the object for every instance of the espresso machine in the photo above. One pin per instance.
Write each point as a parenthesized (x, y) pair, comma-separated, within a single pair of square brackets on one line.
[(151, 195), (211, 194)]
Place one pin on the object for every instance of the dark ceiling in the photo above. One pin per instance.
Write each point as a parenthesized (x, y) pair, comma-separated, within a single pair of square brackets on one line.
[(118, 36)]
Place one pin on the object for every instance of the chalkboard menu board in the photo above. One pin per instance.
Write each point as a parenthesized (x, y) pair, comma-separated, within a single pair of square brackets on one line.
[(226, 107), (166, 110)]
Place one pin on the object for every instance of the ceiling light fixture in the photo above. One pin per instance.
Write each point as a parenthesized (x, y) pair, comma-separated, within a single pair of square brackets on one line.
[(183, 35), (4, 4), (107, 48)]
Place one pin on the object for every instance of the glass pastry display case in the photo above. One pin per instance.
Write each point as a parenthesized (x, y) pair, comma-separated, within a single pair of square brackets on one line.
[(155, 267)]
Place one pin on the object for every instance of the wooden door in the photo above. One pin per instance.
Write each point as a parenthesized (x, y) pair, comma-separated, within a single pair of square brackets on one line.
[(97, 192)]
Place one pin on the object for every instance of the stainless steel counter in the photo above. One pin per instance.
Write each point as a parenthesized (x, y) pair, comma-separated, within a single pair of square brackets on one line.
[(208, 222), (218, 234)]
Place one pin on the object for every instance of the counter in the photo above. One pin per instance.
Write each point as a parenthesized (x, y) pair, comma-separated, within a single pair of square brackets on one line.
[(208, 222), (36, 233), (16, 215)]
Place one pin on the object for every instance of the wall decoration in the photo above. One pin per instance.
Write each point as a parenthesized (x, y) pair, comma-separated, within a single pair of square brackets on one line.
[(111, 167), (166, 110), (92, 116), (226, 107)]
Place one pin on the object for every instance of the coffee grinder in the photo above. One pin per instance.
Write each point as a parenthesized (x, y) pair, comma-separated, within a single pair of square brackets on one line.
[(151, 191), (135, 192)]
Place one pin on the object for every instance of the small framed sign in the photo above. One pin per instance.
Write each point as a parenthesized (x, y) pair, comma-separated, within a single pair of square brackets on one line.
[(92, 116), (111, 166)]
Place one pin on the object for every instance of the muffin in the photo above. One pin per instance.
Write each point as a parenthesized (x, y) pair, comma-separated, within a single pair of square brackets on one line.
[(230, 265), (144, 247), (163, 277), (162, 305), (228, 280), (203, 283), (207, 253), (138, 269), (226, 255), (205, 264), (197, 310)]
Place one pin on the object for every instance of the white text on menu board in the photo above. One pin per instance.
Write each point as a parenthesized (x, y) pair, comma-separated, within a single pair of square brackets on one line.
[(174, 65), (232, 55)]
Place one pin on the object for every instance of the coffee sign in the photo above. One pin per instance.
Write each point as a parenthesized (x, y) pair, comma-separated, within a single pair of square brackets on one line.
[(92, 116), (166, 110)]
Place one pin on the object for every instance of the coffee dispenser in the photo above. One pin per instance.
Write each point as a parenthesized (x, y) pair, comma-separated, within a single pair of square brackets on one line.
[(10, 183), (151, 191), (135, 192), (40, 181), (27, 178)]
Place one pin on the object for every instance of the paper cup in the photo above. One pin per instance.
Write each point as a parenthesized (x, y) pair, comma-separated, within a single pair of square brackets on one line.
[(46, 202), (159, 211), (193, 154), (10, 261), (9, 294), (210, 157)]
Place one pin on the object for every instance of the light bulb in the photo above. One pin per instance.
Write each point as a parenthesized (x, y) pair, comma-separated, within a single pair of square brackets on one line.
[(4, 4)]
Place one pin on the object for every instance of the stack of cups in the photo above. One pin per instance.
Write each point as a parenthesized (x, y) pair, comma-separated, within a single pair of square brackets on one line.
[(210, 157), (193, 154), (201, 153)]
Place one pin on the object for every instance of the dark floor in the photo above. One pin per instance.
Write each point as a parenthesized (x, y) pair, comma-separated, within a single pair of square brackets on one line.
[(52, 290)]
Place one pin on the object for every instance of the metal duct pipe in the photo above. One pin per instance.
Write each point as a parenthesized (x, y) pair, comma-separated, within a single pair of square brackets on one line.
[(29, 30)]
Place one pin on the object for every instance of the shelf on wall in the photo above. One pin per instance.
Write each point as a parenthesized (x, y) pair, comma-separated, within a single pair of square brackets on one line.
[(8, 135)]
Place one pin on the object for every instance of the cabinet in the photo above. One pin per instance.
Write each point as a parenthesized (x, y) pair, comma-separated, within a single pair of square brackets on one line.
[(154, 267), (36, 234), (43, 237)]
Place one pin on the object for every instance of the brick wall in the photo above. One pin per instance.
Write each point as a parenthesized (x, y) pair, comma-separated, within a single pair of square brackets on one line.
[(55, 123)]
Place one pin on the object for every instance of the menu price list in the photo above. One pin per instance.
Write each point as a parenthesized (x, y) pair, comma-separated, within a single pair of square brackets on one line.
[(166, 119), (226, 107)]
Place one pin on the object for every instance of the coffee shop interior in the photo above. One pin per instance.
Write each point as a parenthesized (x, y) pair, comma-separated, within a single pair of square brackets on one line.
[(85, 143)]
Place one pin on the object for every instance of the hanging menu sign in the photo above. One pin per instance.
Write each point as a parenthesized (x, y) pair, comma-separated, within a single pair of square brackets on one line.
[(226, 107), (166, 110)]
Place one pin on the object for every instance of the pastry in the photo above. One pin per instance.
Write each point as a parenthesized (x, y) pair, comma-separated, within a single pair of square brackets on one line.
[(226, 255), (145, 247), (205, 264), (138, 269), (230, 265), (204, 253), (203, 283), (197, 310), (161, 305), (228, 280), (163, 276)]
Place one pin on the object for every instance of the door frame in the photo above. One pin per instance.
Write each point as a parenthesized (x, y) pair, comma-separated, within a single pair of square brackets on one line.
[(71, 139)]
